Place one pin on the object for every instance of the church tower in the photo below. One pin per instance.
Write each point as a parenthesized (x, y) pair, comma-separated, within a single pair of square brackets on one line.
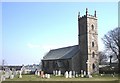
[(88, 42)]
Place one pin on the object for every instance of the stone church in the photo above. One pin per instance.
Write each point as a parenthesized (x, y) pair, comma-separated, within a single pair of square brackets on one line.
[(83, 56)]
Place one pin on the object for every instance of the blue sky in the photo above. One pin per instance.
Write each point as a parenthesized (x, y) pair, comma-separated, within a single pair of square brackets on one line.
[(30, 30)]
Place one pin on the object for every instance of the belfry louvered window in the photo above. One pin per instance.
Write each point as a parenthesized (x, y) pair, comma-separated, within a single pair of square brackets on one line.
[(92, 44), (92, 26)]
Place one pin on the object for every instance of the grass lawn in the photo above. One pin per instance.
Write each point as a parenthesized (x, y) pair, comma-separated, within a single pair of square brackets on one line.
[(62, 78)]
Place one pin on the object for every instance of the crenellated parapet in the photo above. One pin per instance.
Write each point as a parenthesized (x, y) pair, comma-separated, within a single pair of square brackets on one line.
[(87, 15)]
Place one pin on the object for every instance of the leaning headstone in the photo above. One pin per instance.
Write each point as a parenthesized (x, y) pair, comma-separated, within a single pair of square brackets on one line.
[(59, 73), (66, 74), (70, 74)]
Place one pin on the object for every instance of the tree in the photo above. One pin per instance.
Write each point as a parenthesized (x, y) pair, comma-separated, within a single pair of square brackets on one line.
[(102, 58), (112, 43)]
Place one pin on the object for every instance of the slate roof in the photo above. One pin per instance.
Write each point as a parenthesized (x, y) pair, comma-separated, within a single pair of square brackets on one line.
[(62, 53)]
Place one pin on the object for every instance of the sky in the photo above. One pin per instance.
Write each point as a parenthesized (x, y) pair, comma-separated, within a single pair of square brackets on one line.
[(30, 30)]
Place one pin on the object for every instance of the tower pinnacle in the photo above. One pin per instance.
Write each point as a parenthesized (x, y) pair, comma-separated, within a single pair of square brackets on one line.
[(78, 14), (86, 11), (95, 13)]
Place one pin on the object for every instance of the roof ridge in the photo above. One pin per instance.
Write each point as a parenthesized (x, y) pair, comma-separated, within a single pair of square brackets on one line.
[(63, 47)]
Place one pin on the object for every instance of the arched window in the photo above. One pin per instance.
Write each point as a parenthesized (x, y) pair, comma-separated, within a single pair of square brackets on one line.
[(93, 66), (92, 26), (93, 54), (92, 44)]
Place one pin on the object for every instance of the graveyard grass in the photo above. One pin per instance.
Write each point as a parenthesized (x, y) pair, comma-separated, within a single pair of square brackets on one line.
[(62, 78)]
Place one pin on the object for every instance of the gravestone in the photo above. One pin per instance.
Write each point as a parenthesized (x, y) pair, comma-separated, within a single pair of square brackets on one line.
[(14, 73), (20, 74), (76, 75), (113, 75), (38, 73), (89, 76), (7, 74), (42, 74), (56, 73), (2, 78), (11, 76), (59, 73), (70, 74), (17, 72), (66, 74), (1, 72), (45, 75), (10, 73), (84, 73), (0, 75), (73, 74), (48, 75)]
